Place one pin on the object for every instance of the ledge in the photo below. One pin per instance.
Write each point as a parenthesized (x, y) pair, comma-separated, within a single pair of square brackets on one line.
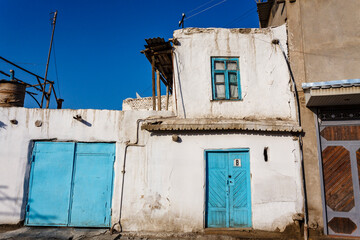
[(176, 124)]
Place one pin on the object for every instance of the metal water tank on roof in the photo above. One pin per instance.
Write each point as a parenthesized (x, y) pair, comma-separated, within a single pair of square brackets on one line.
[(12, 94)]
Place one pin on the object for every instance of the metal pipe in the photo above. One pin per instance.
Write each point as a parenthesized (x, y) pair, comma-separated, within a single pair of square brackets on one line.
[(128, 144), (27, 85), (306, 216), (37, 76), (48, 60), (12, 75), (31, 95)]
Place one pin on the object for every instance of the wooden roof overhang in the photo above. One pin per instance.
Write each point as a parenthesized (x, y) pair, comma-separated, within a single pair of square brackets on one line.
[(161, 52)]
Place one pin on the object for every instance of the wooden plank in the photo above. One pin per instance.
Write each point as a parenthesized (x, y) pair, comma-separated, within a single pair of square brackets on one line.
[(158, 90), (167, 98), (48, 96), (341, 133), (338, 183), (342, 225), (153, 82)]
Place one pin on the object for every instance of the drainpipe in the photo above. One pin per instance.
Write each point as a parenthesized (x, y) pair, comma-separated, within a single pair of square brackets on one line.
[(306, 217), (127, 144)]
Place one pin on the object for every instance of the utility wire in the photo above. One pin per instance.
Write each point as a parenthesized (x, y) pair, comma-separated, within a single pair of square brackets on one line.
[(56, 71), (200, 6), (145, 90), (205, 9), (240, 17), (34, 64)]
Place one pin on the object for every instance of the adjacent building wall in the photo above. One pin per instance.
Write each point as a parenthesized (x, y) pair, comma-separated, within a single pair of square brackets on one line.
[(324, 45)]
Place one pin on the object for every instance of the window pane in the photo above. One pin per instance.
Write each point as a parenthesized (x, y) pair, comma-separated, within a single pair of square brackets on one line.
[(233, 78), (219, 78), (234, 91), (220, 91), (219, 65), (232, 66)]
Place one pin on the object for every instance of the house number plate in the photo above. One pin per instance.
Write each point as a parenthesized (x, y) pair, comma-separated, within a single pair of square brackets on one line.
[(237, 162)]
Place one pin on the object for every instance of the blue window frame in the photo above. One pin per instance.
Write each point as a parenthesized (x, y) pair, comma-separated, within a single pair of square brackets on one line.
[(225, 78)]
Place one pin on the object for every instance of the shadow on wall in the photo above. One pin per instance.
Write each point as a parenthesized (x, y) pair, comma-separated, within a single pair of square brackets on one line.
[(4, 199), (2, 125), (7, 200), (226, 132)]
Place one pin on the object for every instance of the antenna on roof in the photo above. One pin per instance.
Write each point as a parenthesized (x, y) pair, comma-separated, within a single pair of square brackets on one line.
[(181, 22), (47, 95)]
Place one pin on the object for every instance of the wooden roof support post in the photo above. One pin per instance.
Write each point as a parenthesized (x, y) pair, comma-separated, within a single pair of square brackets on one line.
[(153, 81), (158, 90), (48, 95), (167, 98)]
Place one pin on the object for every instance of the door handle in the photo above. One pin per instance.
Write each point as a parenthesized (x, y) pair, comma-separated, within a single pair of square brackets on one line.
[(230, 182)]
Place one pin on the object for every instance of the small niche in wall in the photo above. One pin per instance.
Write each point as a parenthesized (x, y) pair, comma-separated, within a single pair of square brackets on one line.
[(266, 154)]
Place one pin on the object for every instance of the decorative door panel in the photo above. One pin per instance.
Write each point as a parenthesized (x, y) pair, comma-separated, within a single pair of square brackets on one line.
[(340, 144), (240, 212), (228, 196)]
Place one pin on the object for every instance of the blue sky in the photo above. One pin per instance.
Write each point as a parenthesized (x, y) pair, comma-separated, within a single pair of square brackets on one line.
[(97, 43)]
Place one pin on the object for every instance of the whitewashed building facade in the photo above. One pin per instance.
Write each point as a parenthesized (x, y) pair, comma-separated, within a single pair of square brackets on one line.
[(224, 155)]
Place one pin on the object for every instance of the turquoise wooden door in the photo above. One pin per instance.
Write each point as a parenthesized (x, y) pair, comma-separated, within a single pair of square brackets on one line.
[(228, 195), (70, 184), (50, 181), (92, 185)]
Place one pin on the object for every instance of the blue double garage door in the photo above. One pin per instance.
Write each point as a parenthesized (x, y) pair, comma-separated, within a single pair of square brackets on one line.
[(70, 184)]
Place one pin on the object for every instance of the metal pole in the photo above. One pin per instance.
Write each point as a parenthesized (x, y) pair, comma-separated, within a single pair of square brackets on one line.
[(48, 60)]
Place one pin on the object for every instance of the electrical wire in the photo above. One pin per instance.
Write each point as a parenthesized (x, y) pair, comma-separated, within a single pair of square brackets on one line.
[(313, 54), (240, 17), (34, 64), (56, 71), (145, 90), (188, 12), (206, 9)]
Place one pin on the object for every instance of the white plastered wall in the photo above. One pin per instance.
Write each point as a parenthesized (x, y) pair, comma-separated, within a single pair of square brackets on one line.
[(164, 187), (264, 77), (16, 142), (165, 181)]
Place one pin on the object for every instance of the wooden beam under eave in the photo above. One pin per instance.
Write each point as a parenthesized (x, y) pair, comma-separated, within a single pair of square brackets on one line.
[(158, 90), (153, 82)]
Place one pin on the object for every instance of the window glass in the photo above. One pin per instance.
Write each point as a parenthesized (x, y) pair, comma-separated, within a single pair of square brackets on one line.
[(219, 65), (220, 91), (234, 93), (233, 78), (225, 74), (232, 66), (219, 78)]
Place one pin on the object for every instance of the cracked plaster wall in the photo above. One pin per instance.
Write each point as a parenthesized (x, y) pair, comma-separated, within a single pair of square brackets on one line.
[(164, 188), (165, 181), (265, 81)]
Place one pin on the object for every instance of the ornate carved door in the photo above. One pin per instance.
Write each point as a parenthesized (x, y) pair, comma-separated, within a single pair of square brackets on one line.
[(340, 150)]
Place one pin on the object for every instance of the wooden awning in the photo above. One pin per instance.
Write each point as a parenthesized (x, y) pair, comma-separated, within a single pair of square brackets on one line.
[(162, 53)]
